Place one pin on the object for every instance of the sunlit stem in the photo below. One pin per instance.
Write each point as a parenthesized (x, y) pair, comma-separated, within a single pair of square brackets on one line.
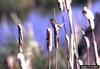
[(72, 37), (91, 21), (89, 15), (87, 44), (95, 49)]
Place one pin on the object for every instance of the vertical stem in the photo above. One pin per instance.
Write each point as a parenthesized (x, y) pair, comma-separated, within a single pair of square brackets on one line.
[(56, 28), (72, 42), (95, 49), (88, 55), (56, 59), (89, 4), (88, 45), (49, 60)]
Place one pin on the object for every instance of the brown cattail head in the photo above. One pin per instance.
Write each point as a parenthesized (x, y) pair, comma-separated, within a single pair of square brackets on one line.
[(49, 39), (20, 37)]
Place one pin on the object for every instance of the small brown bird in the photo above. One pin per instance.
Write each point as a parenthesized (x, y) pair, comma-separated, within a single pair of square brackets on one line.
[(56, 27), (53, 23)]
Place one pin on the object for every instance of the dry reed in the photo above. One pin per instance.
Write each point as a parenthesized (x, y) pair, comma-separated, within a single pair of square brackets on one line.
[(49, 44), (89, 15), (20, 55)]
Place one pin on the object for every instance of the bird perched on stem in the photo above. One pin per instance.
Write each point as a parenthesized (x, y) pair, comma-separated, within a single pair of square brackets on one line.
[(56, 27)]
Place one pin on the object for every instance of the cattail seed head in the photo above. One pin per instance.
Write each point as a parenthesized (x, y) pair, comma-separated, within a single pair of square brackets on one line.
[(49, 39), (87, 13), (20, 37)]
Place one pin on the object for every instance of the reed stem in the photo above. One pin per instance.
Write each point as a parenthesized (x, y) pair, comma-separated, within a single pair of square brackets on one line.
[(49, 60), (56, 60)]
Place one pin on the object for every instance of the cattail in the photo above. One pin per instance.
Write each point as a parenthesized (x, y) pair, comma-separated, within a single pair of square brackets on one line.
[(49, 39), (62, 6), (20, 55), (20, 37), (69, 13), (20, 34), (89, 15), (72, 32), (49, 44)]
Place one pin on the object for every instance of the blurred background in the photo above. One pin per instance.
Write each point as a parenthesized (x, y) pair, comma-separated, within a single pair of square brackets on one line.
[(35, 18)]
